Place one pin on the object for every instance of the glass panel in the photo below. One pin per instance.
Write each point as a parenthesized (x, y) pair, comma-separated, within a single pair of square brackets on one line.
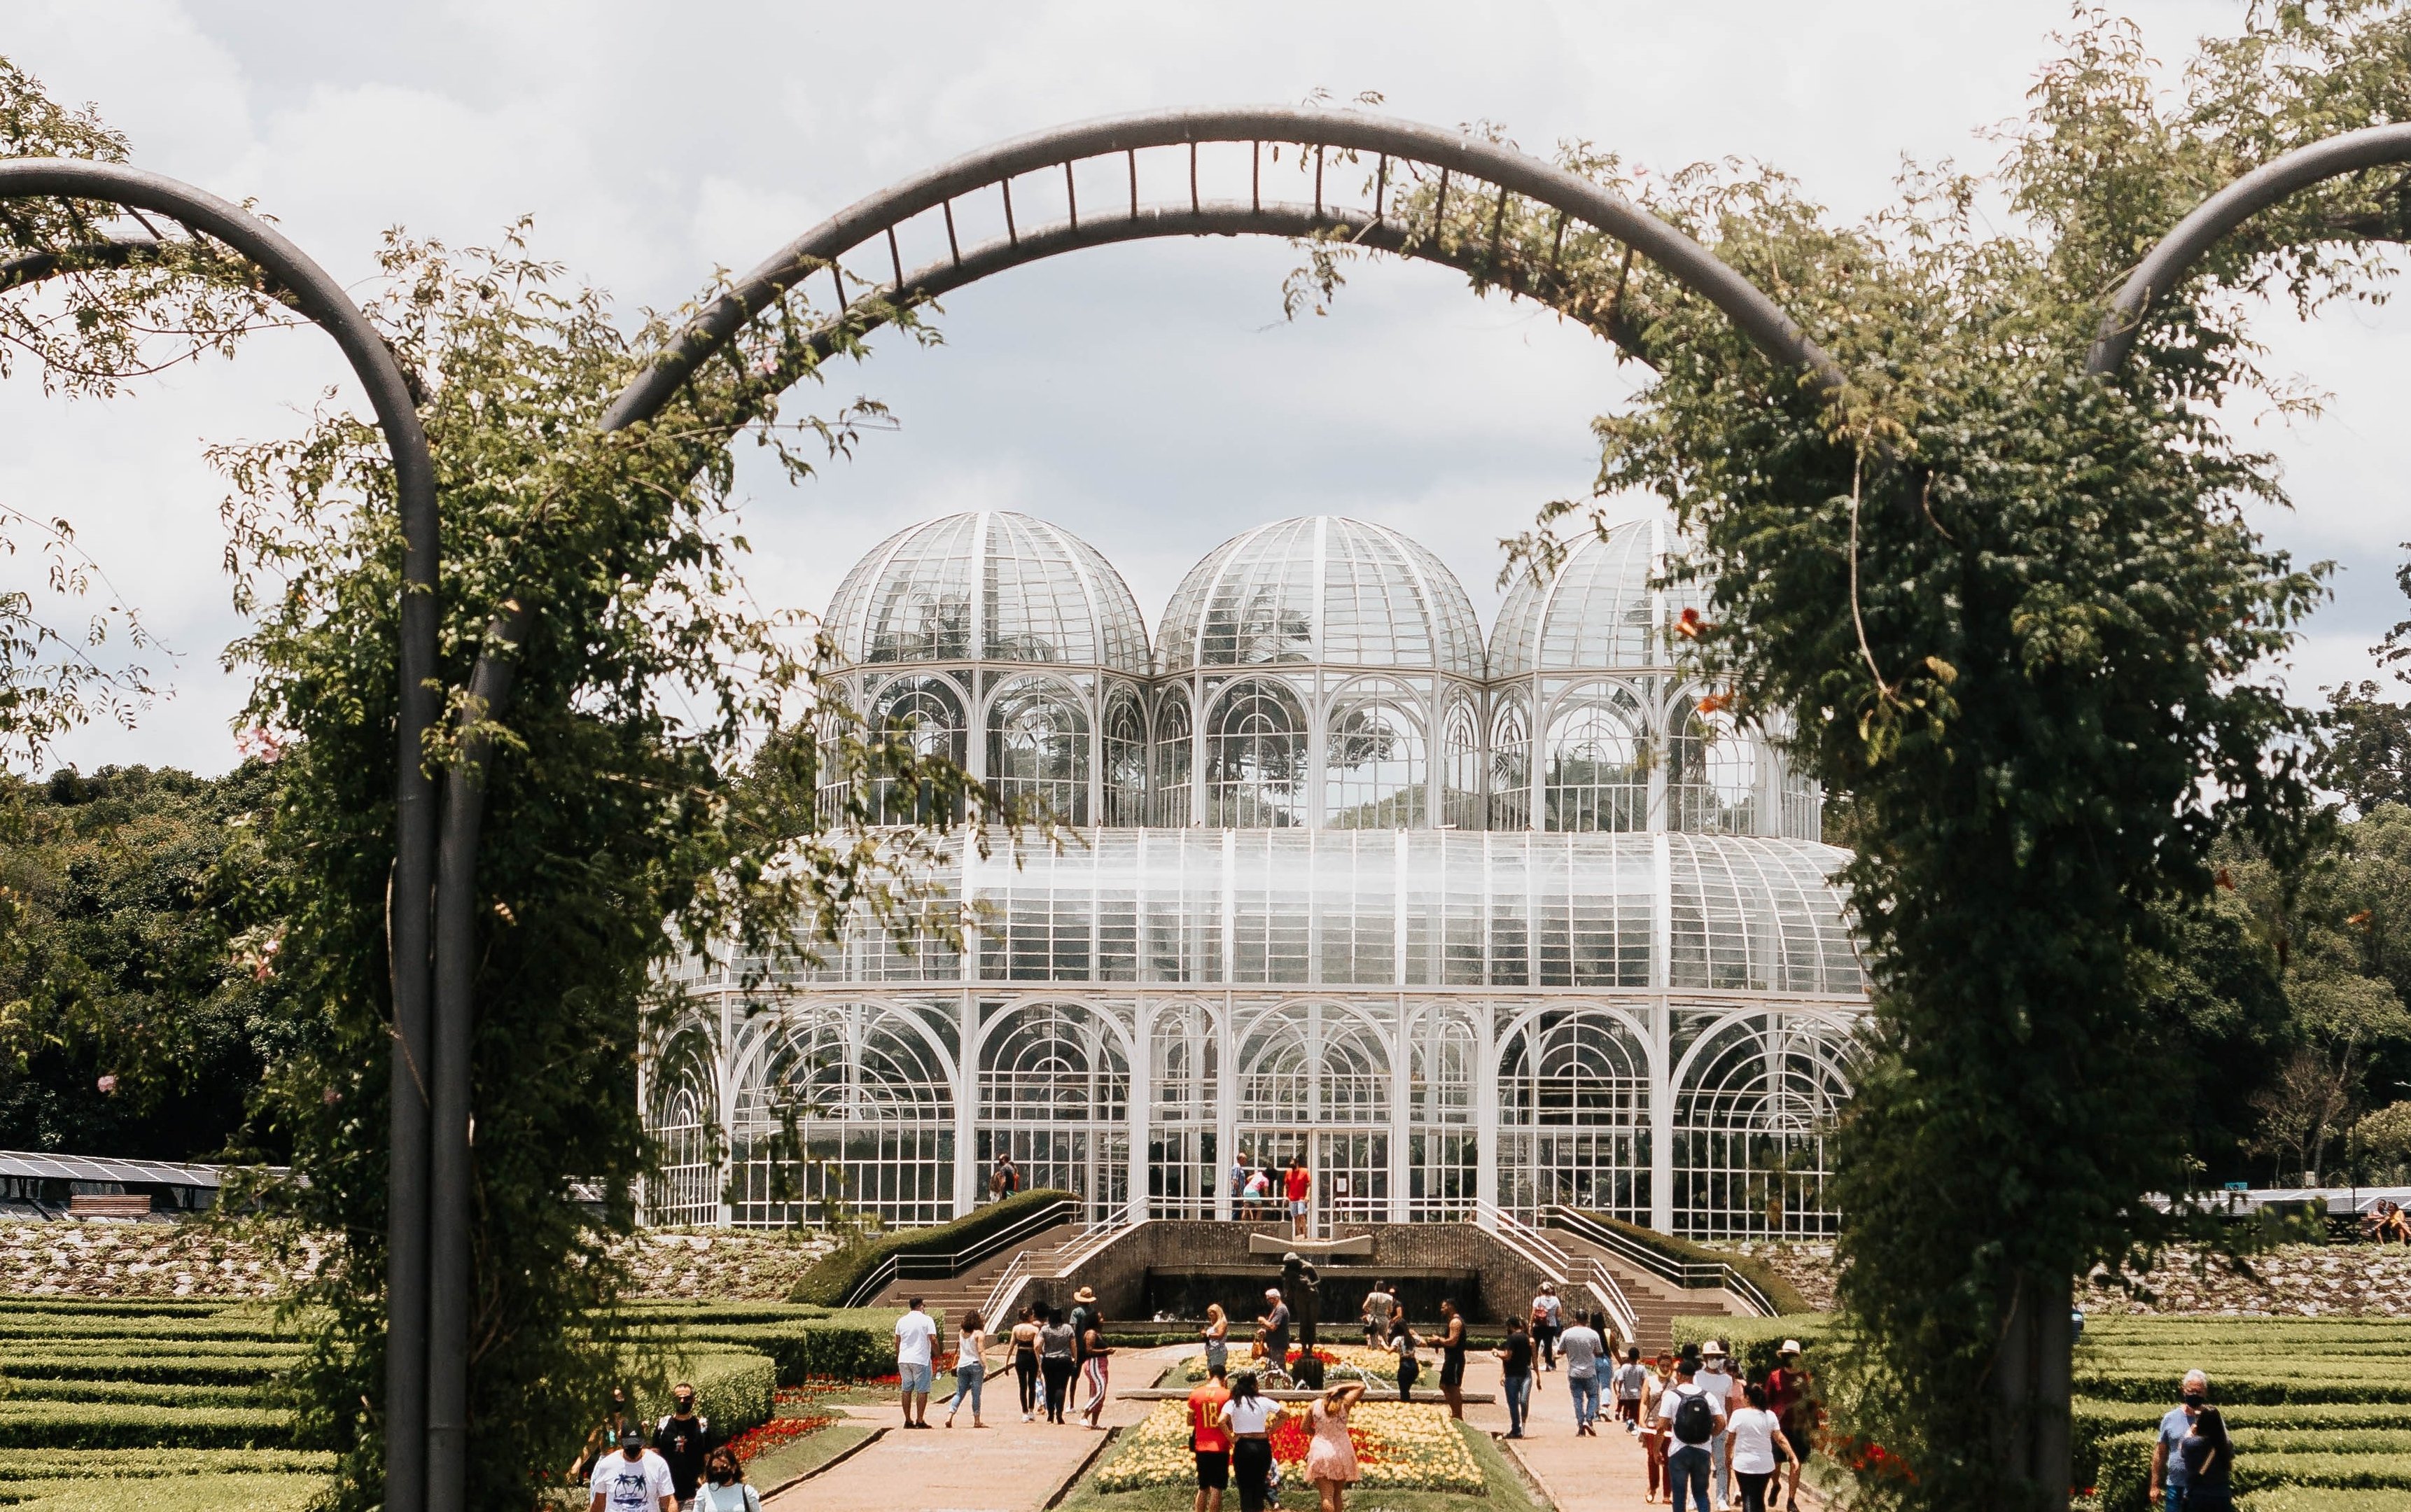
[(1711, 773), (1750, 1127), (1256, 753), (1598, 771), (1374, 773), (1038, 748)]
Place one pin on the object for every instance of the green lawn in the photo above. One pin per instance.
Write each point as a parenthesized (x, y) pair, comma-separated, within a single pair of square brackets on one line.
[(1506, 1492), (807, 1453)]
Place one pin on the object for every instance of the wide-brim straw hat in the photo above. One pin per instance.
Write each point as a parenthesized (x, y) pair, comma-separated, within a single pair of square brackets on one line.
[(1790, 1346), (1084, 1295)]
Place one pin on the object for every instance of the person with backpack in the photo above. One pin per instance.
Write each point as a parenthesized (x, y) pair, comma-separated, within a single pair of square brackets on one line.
[(683, 1441), (1693, 1419)]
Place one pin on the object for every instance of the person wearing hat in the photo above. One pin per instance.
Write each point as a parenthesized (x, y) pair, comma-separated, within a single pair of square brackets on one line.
[(1716, 1380), (1276, 1326), (1787, 1397), (1084, 1315), (636, 1479)]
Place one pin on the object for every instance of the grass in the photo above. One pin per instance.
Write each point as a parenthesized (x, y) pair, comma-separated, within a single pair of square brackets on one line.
[(184, 1493), (808, 1453), (1505, 1491)]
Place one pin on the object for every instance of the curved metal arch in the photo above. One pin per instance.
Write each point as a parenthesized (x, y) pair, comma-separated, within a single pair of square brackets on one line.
[(1124, 1037), (1632, 1023), (423, 1454), (1728, 1020), (2222, 213), (1509, 171)]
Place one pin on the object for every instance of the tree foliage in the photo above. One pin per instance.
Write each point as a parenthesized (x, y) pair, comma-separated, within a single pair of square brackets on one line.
[(138, 1002)]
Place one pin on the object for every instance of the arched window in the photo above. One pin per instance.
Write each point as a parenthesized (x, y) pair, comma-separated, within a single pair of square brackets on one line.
[(1597, 772), (1751, 1121), (1055, 1091), (1511, 763), (686, 1188), (851, 1117), (1038, 747), (1574, 1115), (1461, 764), (1125, 755), (1711, 773), (1443, 1149), (1255, 757), (1314, 1082), (1374, 772), (925, 716), (1174, 803)]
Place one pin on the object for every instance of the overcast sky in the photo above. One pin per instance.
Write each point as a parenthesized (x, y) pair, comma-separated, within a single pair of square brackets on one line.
[(1150, 398)]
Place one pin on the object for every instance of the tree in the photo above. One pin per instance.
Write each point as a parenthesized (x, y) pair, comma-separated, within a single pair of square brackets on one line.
[(2368, 754), (136, 1006), (2382, 1143)]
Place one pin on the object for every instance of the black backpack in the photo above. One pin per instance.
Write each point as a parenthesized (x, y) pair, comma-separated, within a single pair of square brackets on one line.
[(1695, 1421)]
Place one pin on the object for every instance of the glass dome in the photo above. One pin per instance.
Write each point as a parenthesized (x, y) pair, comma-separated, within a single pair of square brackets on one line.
[(988, 586), (1599, 612), (1322, 589)]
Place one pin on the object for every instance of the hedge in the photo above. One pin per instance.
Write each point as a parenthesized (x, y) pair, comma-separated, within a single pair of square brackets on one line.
[(47, 1464), (89, 1425), (200, 1370), (192, 1493), (2321, 1499), (836, 1273), (161, 1393), (1783, 1294), (737, 1389), (1754, 1340), (707, 1311), (116, 1306), (2125, 1480), (803, 1351), (2306, 1381), (34, 1329)]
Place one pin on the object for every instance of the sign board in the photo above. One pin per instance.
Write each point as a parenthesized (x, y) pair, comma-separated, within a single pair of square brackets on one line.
[(2239, 1186)]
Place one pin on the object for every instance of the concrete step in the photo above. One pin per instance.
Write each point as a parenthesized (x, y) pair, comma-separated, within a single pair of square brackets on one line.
[(971, 1288), (1656, 1303)]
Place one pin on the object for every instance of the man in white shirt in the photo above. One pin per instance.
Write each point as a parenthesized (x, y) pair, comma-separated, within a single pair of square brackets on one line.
[(1687, 1456), (636, 1479), (1716, 1381), (1378, 1305), (1582, 1347), (916, 1342)]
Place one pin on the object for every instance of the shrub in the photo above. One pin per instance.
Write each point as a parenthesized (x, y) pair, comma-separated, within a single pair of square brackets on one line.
[(165, 1394), (2321, 1499), (91, 1425), (25, 1465), (165, 1368), (804, 1350), (1783, 1294), (187, 1493), (1753, 1340), (737, 1389), (2287, 1382), (834, 1275), (37, 1328)]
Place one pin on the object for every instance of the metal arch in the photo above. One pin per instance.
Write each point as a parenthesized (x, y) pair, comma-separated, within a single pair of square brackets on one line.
[(320, 297), (2222, 213), (1759, 317)]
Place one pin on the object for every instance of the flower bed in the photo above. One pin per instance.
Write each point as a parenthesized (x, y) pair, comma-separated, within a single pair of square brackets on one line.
[(1398, 1445), (778, 1433), (1379, 1364)]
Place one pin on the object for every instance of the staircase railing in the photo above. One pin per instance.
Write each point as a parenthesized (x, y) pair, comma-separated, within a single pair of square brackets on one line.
[(1536, 1248), (897, 1267), (1621, 1315), (1691, 1275), (1007, 1289)]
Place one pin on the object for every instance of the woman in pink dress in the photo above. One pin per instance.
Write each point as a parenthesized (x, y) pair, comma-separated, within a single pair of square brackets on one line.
[(1330, 1458)]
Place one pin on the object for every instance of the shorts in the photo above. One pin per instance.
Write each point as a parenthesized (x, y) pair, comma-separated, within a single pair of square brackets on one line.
[(1213, 1470), (1798, 1438), (912, 1377), (1452, 1374), (1297, 1209)]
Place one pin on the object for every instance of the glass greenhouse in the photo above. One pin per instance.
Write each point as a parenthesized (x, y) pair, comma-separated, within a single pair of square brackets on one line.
[(1518, 926)]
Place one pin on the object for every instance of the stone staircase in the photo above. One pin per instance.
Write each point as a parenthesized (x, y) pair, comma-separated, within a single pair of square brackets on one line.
[(947, 1298), (1656, 1303)]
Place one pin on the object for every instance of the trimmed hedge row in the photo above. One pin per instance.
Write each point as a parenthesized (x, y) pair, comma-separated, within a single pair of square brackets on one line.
[(116, 1306), (191, 1493), (2321, 1499), (836, 1273), (2335, 1384), (159, 1369), (93, 1425), (737, 1389), (165, 1394), (2124, 1481), (47, 1464), (34, 1329), (1754, 1340), (1783, 1294), (802, 1351), (724, 1312)]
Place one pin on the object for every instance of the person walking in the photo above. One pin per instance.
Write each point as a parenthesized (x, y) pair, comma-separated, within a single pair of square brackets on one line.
[(1654, 1381), (1403, 1341), (1210, 1438), (1694, 1420), (1516, 1374), (1547, 1317), (1084, 1311), (970, 1366), (2208, 1456), (1789, 1398), (1216, 1334), (1298, 1185), (916, 1347), (1718, 1382), (1379, 1304), (1627, 1383), (1055, 1362), (2169, 1473), (683, 1441), (1250, 1417), (1331, 1455), (1452, 1359), (1025, 1359), (636, 1479), (723, 1485), (1759, 1447), (1582, 1347), (1094, 1369), (1274, 1324)]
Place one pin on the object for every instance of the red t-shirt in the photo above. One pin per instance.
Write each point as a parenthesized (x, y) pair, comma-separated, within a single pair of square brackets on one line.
[(1206, 1417), (1299, 1178)]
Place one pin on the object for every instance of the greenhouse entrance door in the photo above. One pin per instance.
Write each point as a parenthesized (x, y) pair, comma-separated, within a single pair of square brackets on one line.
[(1351, 1166)]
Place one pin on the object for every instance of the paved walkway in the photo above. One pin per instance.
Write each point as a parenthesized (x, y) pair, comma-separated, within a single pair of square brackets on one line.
[(1606, 1473), (1008, 1466)]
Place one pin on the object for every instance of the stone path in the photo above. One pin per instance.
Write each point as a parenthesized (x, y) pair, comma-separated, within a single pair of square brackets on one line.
[(1008, 1466), (1606, 1473)]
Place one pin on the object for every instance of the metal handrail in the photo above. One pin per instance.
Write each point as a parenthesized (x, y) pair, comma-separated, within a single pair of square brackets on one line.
[(1008, 1283), (1691, 1275), (1611, 1300), (940, 1266), (1535, 1247)]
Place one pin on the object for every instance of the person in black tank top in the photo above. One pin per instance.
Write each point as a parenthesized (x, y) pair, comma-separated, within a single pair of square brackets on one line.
[(1451, 1358)]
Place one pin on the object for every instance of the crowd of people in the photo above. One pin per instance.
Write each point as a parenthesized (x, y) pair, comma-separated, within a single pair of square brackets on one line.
[(680, 1464)]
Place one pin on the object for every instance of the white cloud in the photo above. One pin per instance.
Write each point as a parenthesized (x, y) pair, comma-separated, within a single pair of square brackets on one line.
[(1147, 397)]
